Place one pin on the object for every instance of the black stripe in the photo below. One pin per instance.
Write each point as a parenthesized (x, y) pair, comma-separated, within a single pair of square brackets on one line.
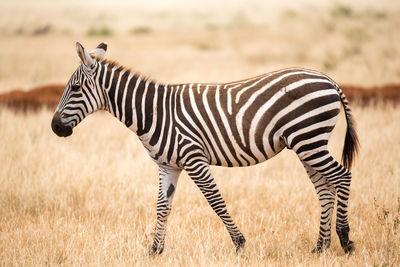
[(121, 91), (173, 130), (148, 108), (138, 107), (79, 102), (310, 134), (322, 163), (108, 76), (311, 146), (310, 121), (111, 92), (128, 101), (166, 125), (160, 114), (84, 91)]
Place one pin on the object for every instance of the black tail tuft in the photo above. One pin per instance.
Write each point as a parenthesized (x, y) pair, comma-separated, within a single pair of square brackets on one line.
[(351, 144)]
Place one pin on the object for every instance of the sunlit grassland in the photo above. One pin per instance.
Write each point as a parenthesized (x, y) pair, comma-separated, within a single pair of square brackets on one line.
[(90, 199)]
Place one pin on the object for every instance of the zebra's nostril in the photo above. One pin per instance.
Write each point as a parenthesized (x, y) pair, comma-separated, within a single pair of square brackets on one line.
[(55, 125), (59, 128)]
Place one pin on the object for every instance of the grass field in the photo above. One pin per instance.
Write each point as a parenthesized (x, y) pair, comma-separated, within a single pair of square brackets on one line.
[(90, 199)]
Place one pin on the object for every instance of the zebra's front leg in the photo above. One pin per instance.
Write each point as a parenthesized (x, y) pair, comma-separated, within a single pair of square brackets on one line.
[(326, 195), (200, 173), (168, 179)]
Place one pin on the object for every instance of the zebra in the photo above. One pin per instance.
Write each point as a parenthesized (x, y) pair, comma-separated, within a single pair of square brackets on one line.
[(192, 126)]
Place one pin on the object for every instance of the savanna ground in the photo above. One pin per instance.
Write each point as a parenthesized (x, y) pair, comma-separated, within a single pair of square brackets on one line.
[(90, 199)]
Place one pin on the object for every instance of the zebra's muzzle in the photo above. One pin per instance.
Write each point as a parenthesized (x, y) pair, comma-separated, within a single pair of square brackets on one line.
[(59, 128)]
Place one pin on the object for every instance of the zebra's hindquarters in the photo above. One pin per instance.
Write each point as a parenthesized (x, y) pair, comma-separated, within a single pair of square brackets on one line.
[(309, 124), (309, 139)]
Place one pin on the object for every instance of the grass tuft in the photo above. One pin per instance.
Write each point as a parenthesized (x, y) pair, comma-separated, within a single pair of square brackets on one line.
[(103, 31), (342, 11)]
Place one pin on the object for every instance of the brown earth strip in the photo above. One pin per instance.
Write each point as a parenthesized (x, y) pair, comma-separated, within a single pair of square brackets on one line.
[(389, 93), (48, 96)]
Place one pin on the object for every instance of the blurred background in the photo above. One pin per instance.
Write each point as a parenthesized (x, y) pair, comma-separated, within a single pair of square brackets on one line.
[(212, 41)]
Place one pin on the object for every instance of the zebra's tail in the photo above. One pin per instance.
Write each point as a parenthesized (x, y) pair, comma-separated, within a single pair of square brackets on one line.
[(351, 143)]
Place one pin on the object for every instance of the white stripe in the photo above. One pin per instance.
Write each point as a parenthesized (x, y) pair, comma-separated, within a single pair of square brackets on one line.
[(323, 136), (317, 160), (121, 73), (133, 127), (98, 86), (146, 85), (229, 100)]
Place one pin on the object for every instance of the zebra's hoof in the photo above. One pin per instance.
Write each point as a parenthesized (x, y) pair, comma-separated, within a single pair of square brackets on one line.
[(156, 250), (321, 246), (239, 243), (317, 250), (349, 248)]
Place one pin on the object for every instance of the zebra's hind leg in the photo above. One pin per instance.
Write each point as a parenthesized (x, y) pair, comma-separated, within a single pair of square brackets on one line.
[(168, 179), (321, 161), (326, 195), (199, 172)]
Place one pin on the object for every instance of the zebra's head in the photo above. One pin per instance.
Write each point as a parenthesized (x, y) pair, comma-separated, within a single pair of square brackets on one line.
[(81, 95)]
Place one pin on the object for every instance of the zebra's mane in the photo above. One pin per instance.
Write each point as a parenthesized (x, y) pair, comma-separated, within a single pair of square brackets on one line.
[(137, 74)]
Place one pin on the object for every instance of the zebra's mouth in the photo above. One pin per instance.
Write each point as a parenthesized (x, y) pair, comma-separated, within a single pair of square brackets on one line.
[(59, 128)]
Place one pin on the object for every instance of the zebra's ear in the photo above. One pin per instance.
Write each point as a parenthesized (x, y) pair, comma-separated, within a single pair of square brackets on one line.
[(100, 50), (86, 59)]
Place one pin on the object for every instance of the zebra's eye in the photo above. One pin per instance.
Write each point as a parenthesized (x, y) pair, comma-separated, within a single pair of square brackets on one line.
[(75, 88)]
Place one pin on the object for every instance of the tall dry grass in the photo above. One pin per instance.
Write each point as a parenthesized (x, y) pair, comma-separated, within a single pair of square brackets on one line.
[(90, 200)]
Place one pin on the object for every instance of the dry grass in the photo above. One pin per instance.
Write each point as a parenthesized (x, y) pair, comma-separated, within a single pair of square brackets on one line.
[(90, 200)]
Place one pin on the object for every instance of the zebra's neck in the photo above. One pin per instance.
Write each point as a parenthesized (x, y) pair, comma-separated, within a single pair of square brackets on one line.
[(130, 97)]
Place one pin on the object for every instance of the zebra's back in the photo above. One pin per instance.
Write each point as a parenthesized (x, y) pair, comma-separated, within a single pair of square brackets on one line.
[(246, 122)]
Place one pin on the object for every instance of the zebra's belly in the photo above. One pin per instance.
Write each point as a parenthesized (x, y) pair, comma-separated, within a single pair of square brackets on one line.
[(241, 156), (221, 153)]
